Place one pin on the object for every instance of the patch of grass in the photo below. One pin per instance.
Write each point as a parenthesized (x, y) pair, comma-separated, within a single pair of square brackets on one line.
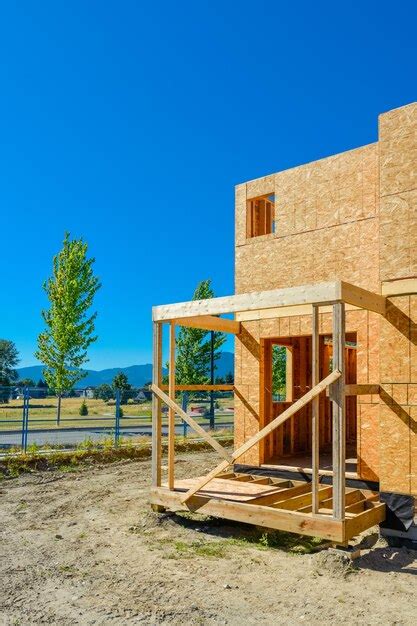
[(12, 465), (244, 535), (187, 550)]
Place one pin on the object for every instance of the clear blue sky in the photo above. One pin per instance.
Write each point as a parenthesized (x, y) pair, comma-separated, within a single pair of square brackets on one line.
[(129, 123)]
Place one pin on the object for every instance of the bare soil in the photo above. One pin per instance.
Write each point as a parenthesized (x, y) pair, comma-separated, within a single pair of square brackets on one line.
[(85, 548)]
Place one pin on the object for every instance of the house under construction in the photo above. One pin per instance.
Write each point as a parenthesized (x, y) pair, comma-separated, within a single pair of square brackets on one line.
[(325, 269)]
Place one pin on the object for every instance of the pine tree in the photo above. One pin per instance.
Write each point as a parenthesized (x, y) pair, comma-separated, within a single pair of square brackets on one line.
[(194, 347)]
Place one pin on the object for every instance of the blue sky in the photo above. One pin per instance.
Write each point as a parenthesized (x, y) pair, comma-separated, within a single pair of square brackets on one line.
[(129, 123)]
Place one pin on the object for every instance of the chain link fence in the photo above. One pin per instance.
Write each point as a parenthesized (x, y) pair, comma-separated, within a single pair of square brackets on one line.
[(30, 417)]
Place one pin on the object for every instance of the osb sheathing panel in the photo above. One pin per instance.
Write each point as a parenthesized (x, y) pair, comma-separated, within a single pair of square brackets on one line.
[(398, 450), (311, 257), (398, 235), (398, 191), (398, 150), (321, 208)]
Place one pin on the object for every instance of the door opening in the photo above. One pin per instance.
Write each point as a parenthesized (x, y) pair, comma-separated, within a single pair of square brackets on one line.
[(286, 376)]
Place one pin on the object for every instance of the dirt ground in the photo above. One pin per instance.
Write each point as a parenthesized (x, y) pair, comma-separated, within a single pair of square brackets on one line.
[(85, 548)]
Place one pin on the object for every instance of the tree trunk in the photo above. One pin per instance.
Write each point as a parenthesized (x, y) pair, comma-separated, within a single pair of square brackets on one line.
[(58, 410)]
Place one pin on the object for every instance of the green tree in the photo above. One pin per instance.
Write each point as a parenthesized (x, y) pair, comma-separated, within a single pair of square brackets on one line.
[(194, 347), (9, 358), (62, 346), (279, 362), (230, 379), (83, 410), (103, 392), (121, 382), (26, 382)]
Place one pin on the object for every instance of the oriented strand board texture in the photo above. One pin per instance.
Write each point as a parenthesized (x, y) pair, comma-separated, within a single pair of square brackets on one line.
[(326, 225), (352, 217), (398, 190), (398, 375)]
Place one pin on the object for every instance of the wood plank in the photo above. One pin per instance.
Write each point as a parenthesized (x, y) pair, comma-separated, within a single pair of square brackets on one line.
[(210, 322), (315, 423), (363, 298), (298, 502), (403, 286), (325, 292), (260, 515), (337, 392), (268, 429), (230, 489), (171, 412), (375, 514), (194, 425), (156, 406), (362, 390)]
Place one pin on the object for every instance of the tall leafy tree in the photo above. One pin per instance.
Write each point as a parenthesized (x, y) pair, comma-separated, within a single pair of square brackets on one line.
[(62, 346), (121, 382), (194, 346), (9, 358)]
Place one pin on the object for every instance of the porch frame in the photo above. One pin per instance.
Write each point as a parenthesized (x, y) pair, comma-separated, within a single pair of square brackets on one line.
[(205, 314)]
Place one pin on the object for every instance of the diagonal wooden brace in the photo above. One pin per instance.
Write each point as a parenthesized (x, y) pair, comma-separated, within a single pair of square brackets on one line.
[(305, 399), (193, 424)]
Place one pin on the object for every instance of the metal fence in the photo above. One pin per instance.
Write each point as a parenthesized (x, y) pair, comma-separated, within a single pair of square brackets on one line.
[(29, 417)]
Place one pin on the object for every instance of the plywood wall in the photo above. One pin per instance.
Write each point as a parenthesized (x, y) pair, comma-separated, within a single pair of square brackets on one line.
[(398, 260), (353, 217)]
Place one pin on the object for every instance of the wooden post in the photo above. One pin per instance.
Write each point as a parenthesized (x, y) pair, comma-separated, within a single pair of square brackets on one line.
[(156, 406), (315, 422), (337, 392), (171, 412)]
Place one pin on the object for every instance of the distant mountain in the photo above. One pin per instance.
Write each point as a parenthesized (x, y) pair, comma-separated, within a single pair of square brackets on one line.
[(137, 375)]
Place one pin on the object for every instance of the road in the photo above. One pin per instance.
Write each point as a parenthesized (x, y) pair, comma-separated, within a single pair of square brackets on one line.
[(74, 436)]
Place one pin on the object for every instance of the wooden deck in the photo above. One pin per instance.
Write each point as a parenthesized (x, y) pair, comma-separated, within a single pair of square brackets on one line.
[(275, 503)]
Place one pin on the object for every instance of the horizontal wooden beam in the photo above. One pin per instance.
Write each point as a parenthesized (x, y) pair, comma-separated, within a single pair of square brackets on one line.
[(320, 293), (360, 390), (306, 294), (362, 298), (200, 387), (399, 287), (209, 322), (261, 515), (193, 424)]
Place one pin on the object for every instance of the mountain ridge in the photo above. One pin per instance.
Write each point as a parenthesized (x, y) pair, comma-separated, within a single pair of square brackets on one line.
[(138, 375)]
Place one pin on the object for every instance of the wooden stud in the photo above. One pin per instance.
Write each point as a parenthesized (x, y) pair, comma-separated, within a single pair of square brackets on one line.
[(315, 426), (337, 394), (156, 406), (171, 412)]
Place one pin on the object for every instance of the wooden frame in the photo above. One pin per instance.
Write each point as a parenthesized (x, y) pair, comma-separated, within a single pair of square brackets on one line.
[(202, 314), (321, 293)]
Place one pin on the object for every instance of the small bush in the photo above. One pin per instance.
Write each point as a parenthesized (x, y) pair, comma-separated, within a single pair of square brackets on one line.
[(120, 412), (83, 408)]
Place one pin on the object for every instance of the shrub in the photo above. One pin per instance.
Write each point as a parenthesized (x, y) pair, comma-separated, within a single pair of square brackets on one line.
[(83, 408), (120, 412)]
